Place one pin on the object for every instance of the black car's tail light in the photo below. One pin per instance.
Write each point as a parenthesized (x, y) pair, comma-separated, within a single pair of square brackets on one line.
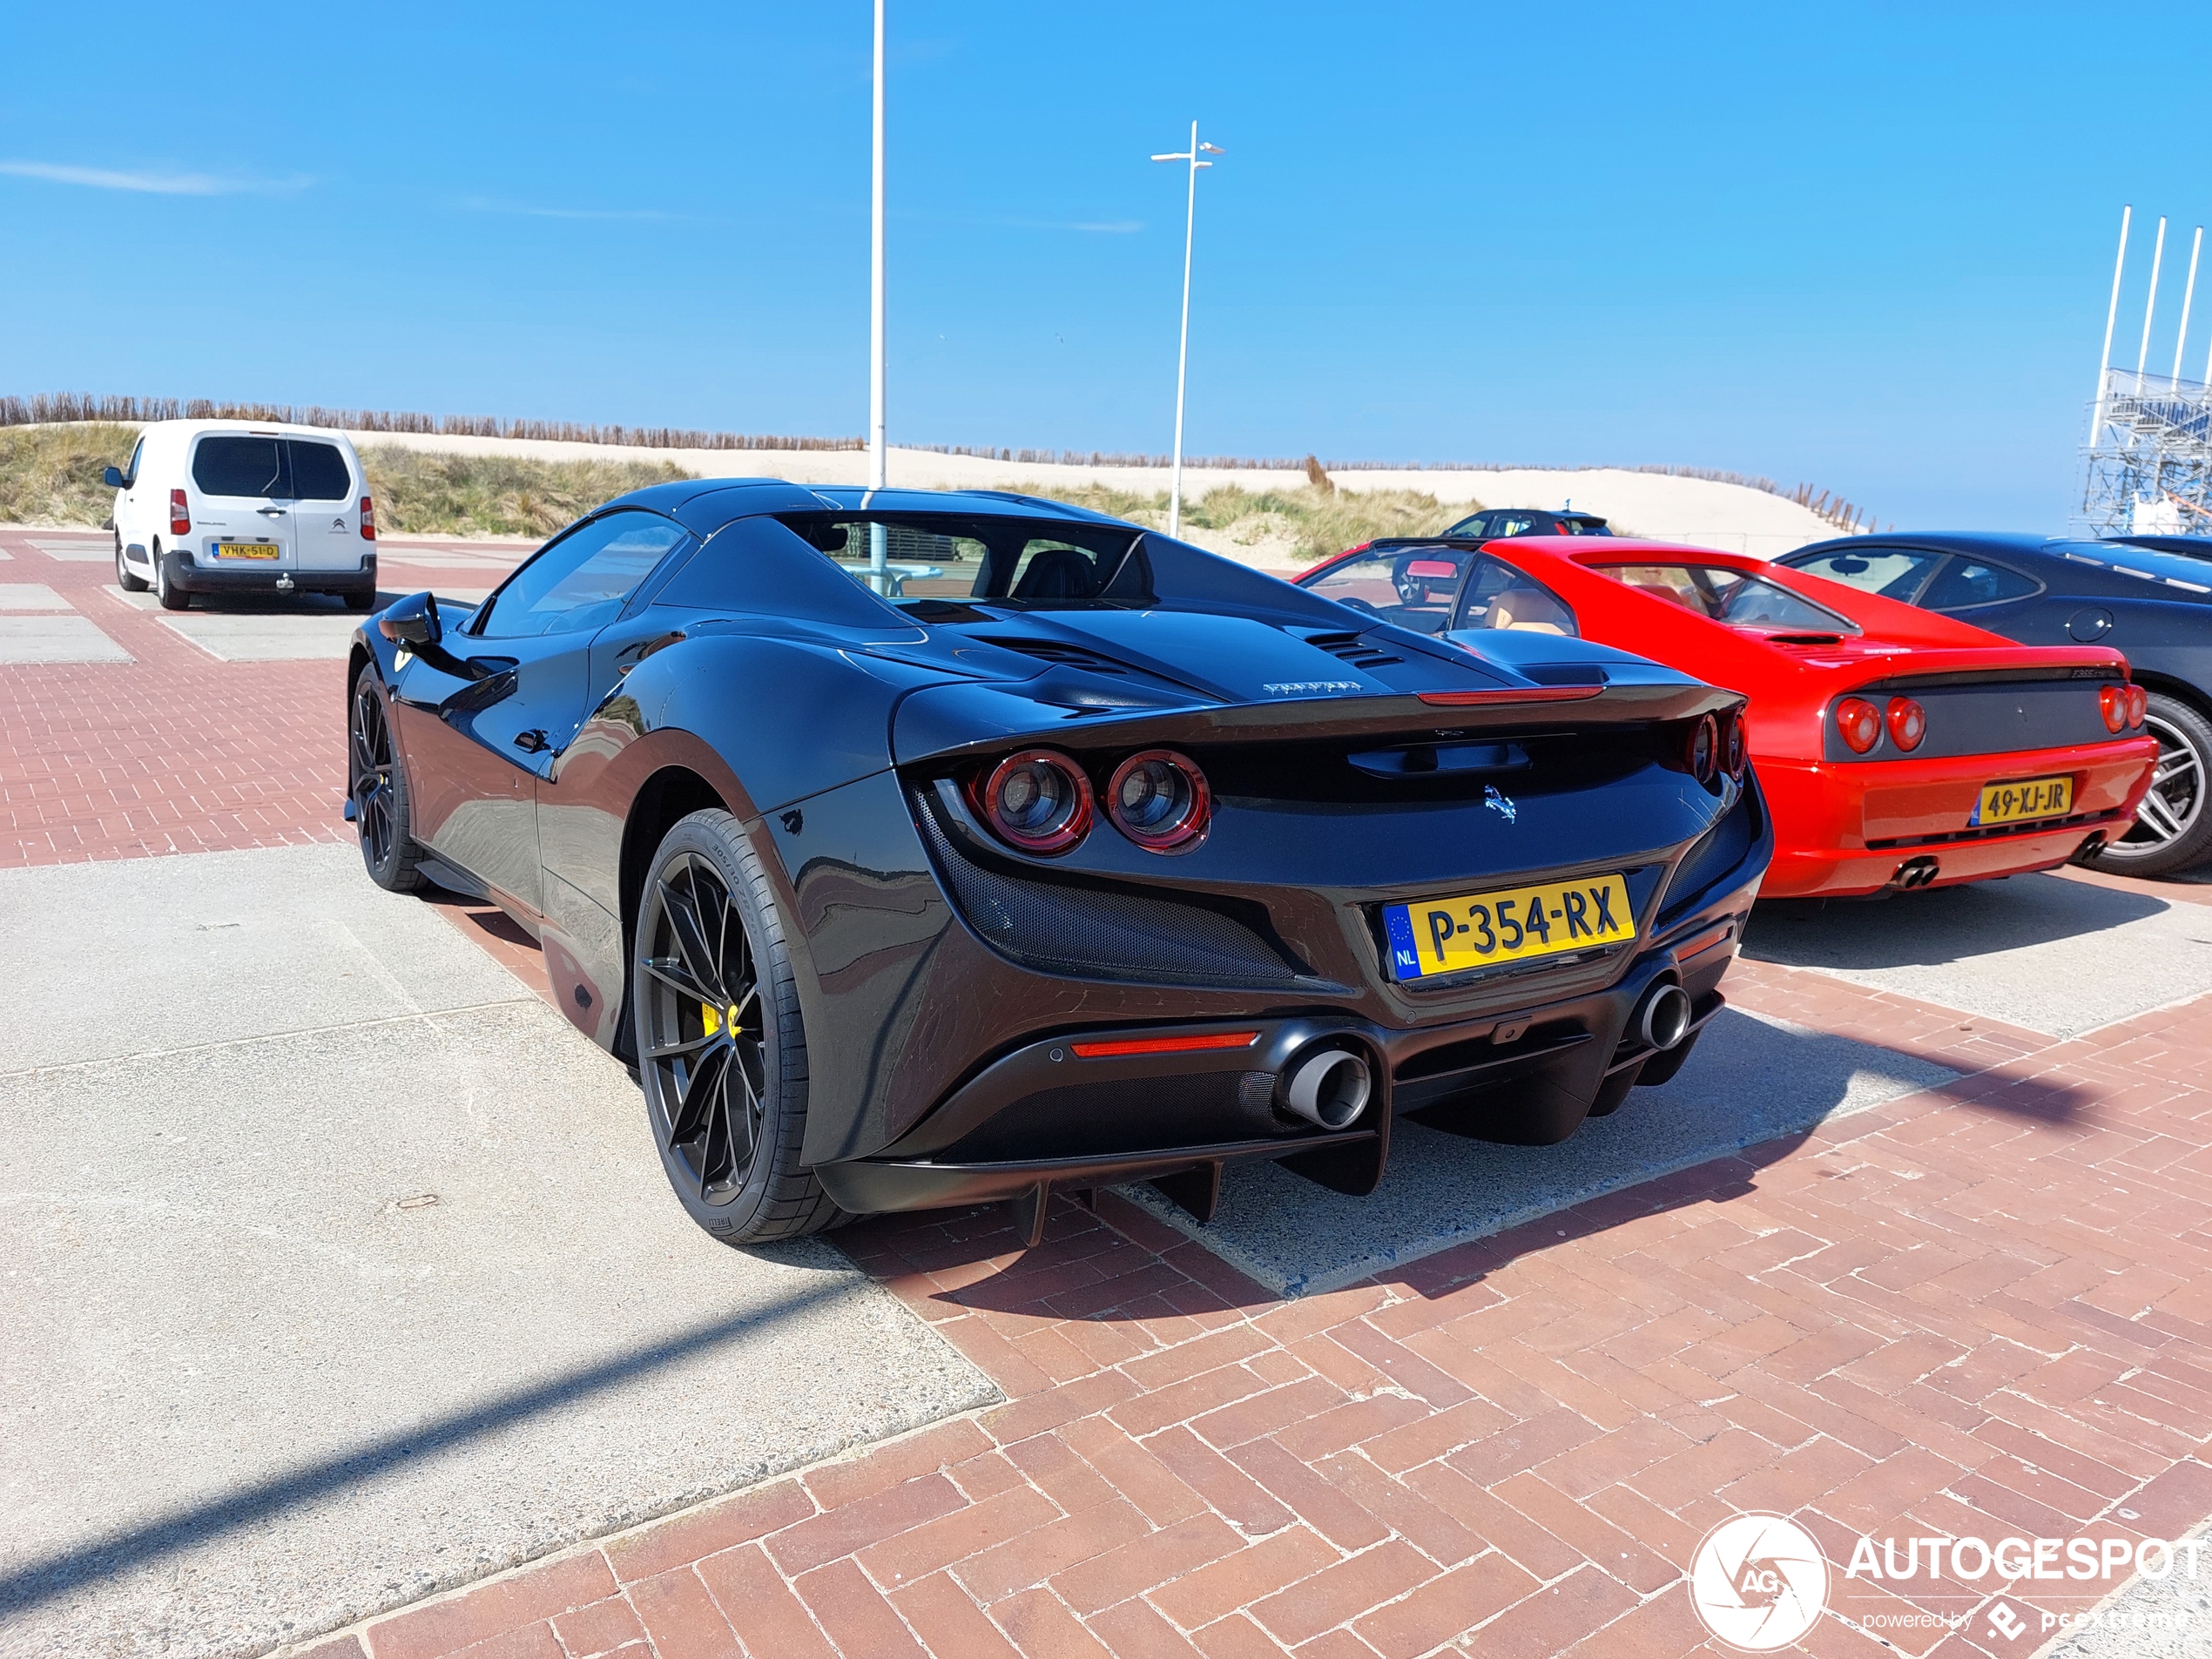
[(1038, 800), (1736, 746), (1159, 800), (1701, 751), (1860, 723), (1908, 723)]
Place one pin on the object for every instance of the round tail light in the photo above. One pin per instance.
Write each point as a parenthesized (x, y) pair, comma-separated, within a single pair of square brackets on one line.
[(1908, 724), (1159, 800), (1038, 800), (2112, 703), (1736, 750), (1702, 750), (1860, 724), (2138, 704)]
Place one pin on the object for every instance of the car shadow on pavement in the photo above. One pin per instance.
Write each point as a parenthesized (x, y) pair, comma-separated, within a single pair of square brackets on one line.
[(1940, 926)]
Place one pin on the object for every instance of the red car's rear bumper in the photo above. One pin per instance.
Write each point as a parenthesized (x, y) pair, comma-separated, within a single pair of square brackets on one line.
[(1841, 830)]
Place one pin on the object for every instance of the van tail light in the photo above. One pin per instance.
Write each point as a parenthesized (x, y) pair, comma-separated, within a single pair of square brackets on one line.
[(1908, 723), (368, 519), (2112, 703), (2138, 704), (180, 514), (1860, 724)]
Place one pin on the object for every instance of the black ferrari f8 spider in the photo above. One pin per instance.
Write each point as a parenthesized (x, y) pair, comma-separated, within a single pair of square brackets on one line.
[(919, 849)]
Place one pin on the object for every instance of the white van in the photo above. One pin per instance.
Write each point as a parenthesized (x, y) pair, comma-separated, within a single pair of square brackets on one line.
[(226, 506)]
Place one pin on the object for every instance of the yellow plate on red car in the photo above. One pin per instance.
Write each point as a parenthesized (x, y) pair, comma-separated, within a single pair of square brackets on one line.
[(249, 550), (2015, 803), (1478, 930)]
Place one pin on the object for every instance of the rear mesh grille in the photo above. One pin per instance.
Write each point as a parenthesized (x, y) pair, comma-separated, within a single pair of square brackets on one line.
[(1100, 935)]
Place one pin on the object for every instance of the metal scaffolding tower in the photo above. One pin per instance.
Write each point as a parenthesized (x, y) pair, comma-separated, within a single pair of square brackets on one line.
[(2150, 457), (2150, 435)]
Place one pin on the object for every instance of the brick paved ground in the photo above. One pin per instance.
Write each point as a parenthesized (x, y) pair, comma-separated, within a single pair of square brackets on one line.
[(1978, 1310), (174, 751)]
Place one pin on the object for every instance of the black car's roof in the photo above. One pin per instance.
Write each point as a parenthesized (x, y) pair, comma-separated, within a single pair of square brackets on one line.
[(704, 505), (2014, 541)]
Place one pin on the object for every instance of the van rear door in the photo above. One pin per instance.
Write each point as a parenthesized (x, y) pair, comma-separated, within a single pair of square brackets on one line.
[(326, 508), (242, 508)]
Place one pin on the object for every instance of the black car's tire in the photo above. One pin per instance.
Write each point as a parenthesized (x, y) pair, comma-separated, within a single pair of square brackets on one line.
[(123, 579), (2174, 829), (721, 1049), (360, 602), (377, 784)]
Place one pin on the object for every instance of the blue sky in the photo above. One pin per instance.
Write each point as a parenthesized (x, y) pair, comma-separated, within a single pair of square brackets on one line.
[(1865, 246)]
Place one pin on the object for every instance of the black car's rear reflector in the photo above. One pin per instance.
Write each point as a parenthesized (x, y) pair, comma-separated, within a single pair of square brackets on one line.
[(1164, 1045), (1511, 694)]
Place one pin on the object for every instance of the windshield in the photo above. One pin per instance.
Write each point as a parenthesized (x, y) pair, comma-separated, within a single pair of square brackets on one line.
[(2148, 563), (1729, 596), (1416, 587)]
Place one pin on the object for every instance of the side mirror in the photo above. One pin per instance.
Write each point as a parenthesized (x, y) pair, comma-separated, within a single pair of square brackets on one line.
[(114, 479), (412, 621)]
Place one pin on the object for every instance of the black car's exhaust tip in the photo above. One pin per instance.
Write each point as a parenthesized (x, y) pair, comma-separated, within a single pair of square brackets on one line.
[(1663, 1017), (1327, 1087)]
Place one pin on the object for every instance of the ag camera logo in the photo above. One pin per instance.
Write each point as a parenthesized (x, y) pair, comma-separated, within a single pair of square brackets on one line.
[(1758, 1582)]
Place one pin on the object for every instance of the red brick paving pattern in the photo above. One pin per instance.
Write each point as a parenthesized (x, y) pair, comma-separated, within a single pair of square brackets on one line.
[(1977, 1310), (174, 752)]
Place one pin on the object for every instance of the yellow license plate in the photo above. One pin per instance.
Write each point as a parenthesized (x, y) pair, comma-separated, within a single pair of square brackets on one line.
[(1451, 935), (2011, 803), (249, 550)]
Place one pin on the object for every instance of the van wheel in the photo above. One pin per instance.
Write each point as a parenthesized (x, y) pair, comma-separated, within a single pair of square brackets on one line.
[(360, 602), (123, 579), (172, 597)]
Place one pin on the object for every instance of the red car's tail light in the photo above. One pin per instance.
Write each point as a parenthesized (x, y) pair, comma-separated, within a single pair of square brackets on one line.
[(1038, 800), (180, 514), (2138, 704), (1702, 750), (1159, 800), (2112, 703), (1736, 749), (1908, 724), (368, 519), (1860, 724)]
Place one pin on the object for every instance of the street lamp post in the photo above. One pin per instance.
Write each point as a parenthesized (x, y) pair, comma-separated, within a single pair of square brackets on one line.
[(879, 578), (1182, 350)]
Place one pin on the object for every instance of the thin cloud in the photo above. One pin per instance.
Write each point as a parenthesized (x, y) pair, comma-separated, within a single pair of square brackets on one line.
[(485, 204), (152, 183)]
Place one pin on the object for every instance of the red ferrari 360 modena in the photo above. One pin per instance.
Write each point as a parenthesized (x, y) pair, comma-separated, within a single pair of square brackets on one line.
[(1898, 749)]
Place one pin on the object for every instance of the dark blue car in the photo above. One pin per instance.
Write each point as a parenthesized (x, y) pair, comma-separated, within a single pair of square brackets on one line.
[(2150, 597)]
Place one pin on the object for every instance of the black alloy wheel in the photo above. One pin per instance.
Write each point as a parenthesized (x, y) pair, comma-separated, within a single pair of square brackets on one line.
[(123, 578), (2173, 828), (376, 784), (721, 1051)]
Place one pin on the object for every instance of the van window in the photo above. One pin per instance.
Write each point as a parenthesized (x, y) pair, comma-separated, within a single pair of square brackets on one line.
[(319, 471), (131, 472), (226, 465)]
